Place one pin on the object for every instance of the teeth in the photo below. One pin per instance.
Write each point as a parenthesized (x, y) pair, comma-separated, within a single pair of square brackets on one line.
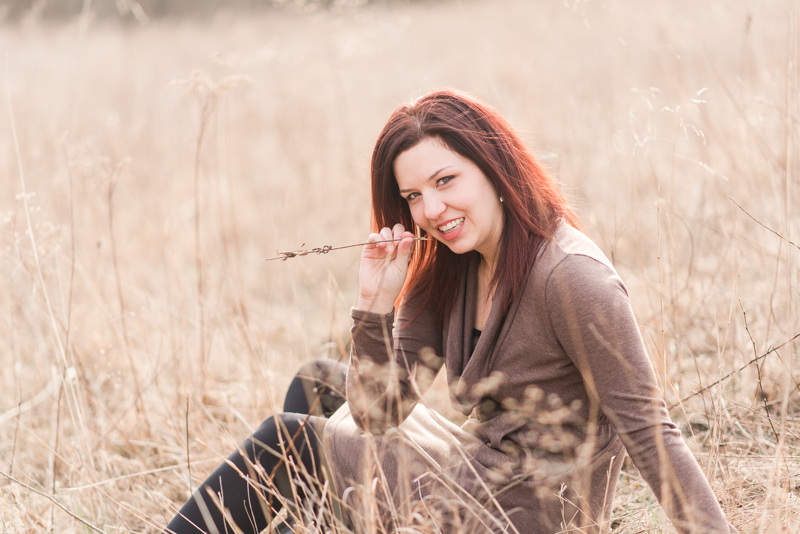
[(451, 225)]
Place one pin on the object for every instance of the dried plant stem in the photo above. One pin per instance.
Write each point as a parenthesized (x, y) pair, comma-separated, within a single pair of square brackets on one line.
[(140, 408), (68, 329), (188, 459), (208, 94), (205, 111), (16, 422), (739, 370), (54, 501), (73, 397), (117, 278), (53, 455), (758, 370), (163, 469), (286, 254), (764, 225), (660, 291)]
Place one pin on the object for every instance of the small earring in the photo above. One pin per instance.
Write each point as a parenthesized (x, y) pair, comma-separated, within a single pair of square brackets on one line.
[(501, 199)]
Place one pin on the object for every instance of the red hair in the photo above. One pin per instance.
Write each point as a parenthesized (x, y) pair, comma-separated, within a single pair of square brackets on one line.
[(532, 201)]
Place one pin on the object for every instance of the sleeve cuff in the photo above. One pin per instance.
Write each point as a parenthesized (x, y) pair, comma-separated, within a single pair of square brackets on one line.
[(365, 317)]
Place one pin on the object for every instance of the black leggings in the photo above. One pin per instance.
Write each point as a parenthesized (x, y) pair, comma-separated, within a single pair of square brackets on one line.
[(315, 393)]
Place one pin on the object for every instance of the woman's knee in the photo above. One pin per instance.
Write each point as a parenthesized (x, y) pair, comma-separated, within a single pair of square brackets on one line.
[(318, 388), (325, 371)]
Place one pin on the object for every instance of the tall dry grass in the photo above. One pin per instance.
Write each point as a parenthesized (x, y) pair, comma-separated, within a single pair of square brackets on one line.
[(142, 337)]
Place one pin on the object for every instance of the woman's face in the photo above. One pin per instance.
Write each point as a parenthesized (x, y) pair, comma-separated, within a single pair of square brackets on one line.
[(450, 198)]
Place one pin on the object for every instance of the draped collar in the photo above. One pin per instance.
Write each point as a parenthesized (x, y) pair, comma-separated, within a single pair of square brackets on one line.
[(466, 368)]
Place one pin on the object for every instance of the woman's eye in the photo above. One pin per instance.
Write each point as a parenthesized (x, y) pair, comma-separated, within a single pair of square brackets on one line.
[(444, 179), (411, 196)]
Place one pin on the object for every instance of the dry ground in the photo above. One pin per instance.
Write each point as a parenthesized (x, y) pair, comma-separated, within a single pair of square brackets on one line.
[(129, 346)]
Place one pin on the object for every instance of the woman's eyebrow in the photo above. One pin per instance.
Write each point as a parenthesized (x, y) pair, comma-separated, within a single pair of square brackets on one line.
[(431, 177)]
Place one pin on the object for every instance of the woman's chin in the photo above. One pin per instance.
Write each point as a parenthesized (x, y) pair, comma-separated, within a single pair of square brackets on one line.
[(456, 247)]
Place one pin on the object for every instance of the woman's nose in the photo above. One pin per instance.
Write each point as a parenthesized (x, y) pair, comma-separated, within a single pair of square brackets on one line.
[(433, 206)]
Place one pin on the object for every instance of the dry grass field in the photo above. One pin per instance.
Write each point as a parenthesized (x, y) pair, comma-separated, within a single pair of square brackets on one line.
[(149, 169)]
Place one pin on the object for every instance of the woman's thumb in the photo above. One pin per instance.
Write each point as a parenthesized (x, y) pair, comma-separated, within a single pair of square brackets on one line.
[(405, 248)]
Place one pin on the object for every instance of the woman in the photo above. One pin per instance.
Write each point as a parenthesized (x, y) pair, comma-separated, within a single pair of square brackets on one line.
[(537, 336)]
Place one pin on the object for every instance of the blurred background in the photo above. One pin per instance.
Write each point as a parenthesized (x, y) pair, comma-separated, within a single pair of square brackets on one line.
[(145, 10), (153, 153)]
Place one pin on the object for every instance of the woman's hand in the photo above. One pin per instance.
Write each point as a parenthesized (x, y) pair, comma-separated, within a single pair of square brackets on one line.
[(383, 269)]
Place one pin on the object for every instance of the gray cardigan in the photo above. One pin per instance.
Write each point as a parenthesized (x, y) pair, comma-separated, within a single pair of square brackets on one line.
[(557, 389)]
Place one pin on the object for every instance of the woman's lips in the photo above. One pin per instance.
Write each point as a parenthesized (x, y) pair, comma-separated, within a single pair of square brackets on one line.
[(451, 229)]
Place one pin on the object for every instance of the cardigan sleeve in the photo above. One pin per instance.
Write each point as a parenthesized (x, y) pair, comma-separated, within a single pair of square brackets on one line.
[(391, 364), (591, 316)]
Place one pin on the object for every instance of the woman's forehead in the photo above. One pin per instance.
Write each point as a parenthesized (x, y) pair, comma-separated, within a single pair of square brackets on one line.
[(424, 161)]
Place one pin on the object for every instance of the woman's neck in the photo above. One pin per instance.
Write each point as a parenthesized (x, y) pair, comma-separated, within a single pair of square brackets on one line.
[(485, 293), (487, 266)]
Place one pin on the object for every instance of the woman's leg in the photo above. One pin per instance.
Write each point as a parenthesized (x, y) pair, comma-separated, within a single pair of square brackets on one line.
[(249, 507), (317, 389)]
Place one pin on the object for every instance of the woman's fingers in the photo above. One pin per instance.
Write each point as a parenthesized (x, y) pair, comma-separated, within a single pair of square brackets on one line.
[(397, 231), (406, 245), (389, 239), (384, 265), (373, 239), (386, 237)]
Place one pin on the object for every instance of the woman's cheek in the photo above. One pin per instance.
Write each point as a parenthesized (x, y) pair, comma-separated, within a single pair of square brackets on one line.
[(420, 221)]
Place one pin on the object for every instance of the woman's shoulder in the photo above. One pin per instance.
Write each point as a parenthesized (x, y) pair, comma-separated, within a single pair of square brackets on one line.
[(571, 254), (568, 243)]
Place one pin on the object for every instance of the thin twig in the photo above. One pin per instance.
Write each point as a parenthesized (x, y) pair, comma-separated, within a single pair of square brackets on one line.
[(740, 369), (206, 108), (286, 254), (660, 289), (34, 248), (54, 501), (54, 454), (68, 328), (112, 183), (208, 93), (758, 370), (764, 225), (72, 489), (188, 459), (62, 351)]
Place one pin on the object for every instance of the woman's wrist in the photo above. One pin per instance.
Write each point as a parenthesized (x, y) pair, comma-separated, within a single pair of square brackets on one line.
[(374, 305)]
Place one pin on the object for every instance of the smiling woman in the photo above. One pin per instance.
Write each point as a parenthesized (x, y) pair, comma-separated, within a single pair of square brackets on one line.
[(536, 333), (456, 203), (477, 138)]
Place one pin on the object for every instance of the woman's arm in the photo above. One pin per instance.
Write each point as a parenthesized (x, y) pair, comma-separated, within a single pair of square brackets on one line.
[(592, 318), (390, 365)]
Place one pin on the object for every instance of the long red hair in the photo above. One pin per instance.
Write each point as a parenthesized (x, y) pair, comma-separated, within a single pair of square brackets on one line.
[(532, 201)]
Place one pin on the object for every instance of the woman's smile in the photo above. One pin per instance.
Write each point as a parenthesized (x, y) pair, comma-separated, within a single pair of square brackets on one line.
[(450, 229), (450, 198)]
